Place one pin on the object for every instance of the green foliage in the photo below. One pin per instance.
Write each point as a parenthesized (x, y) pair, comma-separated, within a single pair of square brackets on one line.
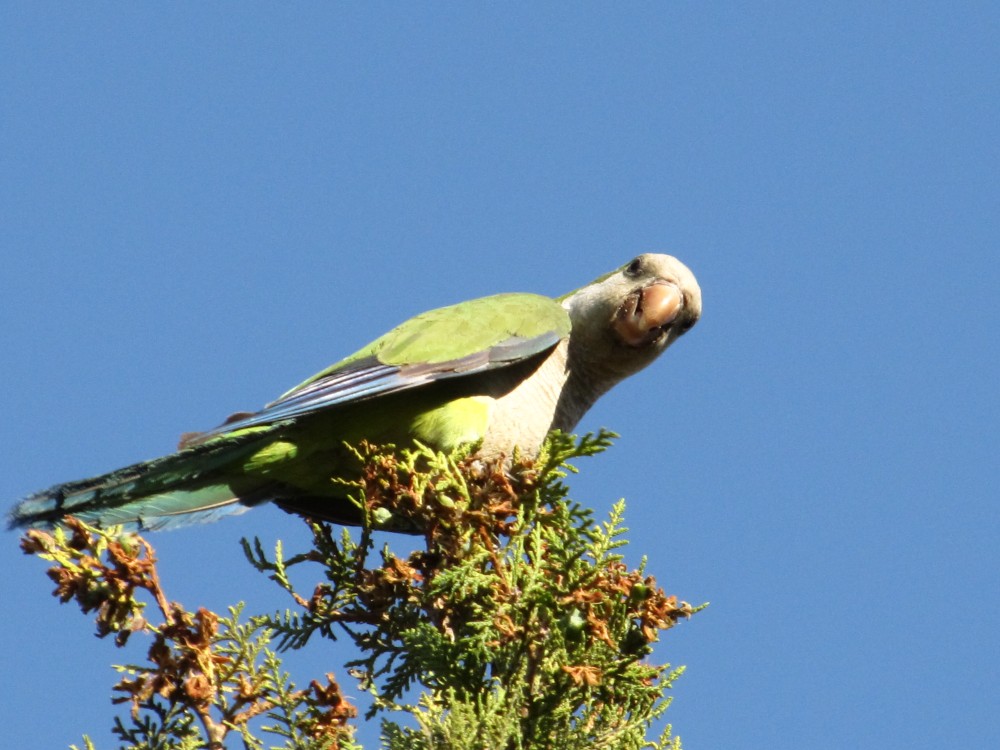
[(515, 624)]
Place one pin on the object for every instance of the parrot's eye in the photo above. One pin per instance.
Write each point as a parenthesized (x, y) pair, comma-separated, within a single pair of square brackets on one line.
[(633, 268)]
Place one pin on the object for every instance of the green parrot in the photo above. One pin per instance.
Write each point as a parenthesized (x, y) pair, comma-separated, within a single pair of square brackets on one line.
[(495, 373)]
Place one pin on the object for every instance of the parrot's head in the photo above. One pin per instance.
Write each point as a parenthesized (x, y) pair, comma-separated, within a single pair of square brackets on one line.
[(625, 319)]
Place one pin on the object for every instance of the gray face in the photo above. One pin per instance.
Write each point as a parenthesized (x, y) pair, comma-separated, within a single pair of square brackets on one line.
[(630, 316)]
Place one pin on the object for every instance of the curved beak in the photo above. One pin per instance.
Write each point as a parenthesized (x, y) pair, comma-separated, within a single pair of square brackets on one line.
[(647, 312)]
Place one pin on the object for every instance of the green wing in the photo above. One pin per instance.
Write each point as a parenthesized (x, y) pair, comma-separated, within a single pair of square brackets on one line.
[(448, 342)]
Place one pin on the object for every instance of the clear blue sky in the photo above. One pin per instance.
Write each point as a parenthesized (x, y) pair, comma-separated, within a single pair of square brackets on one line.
[(199, 208)]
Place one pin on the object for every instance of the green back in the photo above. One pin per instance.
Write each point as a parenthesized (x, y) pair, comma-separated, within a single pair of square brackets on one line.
[(456, 331)]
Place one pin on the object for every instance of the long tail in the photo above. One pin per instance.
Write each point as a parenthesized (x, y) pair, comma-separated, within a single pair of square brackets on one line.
[(190, 486)]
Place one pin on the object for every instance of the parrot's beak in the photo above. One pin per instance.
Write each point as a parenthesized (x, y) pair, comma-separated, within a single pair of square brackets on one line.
[(647, 312)]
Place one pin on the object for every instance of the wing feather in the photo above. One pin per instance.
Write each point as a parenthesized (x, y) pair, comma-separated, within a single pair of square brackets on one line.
[(368, 374)]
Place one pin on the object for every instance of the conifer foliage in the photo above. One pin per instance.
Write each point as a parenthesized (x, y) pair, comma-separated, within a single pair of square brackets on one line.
[(515, 624)]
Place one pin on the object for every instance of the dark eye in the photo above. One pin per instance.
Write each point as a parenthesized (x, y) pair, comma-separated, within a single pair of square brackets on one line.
[(634, 268)]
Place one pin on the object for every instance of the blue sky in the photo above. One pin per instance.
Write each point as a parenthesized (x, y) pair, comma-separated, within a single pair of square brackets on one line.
[(200, 207)]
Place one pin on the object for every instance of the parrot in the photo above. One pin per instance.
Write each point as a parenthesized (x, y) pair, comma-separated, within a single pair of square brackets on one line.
[(496, 374)]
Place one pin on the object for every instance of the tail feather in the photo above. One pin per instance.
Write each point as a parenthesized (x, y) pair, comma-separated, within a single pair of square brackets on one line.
[(186, 487), (171, 510)]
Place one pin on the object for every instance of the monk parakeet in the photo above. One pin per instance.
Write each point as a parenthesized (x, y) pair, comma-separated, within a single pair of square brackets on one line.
[(495, 373)]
